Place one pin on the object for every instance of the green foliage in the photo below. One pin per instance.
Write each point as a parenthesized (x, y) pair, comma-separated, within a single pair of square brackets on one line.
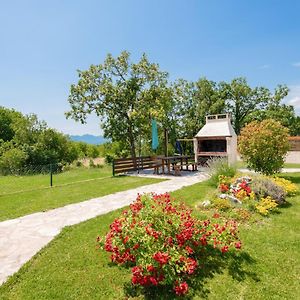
[(220, 167), (285, 114), (193, 101), (113, 150), (85, 150), (242, 100), (26, 142), (221, 204), (165, 244), (12, 160), (265, 187), (264, 145), (124, 95)]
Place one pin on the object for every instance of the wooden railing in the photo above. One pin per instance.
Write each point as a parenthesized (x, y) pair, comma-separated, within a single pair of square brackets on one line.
[(123, 165)]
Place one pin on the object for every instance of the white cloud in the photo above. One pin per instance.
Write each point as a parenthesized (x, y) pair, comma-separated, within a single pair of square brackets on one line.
[(296, 64), (264, 67), (293, 97)]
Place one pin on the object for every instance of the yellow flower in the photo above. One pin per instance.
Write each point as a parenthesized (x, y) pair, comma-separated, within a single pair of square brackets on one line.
[(266, 205), (289, 187)]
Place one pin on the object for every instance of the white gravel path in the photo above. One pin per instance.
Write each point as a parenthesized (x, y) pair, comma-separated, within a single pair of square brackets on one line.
[(22, 238)]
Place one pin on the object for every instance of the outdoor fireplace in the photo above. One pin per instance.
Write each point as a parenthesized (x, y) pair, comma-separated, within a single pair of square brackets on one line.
[(216, 139)]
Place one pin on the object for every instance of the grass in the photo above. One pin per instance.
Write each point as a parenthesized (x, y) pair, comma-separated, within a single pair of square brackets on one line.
[(291, 165), (241, 165), (71, 267), (12, 184), (76, 186)]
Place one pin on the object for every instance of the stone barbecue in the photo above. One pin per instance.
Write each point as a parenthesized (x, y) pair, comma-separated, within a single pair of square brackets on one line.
[(216, 139)]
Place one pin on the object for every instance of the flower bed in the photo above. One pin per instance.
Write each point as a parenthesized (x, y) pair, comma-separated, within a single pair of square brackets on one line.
[(260, 194), (164, 244)]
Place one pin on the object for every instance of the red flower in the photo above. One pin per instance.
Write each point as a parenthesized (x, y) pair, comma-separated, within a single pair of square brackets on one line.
[(151, 268), (161, 257), (223, 188), (181, 289), (169, 240), (203, 240), (153, 280), (136, 246), (238, 245), (216, 215), (191, 265), (224, 249), (189, 250), (116, 226)]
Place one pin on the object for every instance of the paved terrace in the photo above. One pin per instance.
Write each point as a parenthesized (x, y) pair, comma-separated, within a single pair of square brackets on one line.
[(22, 238)]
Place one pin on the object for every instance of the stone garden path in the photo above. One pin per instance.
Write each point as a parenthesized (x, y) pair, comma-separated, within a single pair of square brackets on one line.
[(22, 238)]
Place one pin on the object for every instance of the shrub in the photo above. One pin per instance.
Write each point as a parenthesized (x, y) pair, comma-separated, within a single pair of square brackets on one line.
[(266, 205), (264, 187), (164, 244), (264, 145), (113, 150), (78, 163), (12, 161), (91, 163), (220, 166), (221, 204), (289, 187)]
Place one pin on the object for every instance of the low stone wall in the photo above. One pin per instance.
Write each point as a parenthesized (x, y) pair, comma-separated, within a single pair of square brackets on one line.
[(293, 157), (294, 143)]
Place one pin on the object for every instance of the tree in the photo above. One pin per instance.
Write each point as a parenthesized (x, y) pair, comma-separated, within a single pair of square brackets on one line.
[(123, 94), (285, 114), (195, 100), (264, 145), (242, 100), (26, 142)]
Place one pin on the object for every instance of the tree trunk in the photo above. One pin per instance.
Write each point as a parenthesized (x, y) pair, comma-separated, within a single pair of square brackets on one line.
[(132, 146), (166, 141)]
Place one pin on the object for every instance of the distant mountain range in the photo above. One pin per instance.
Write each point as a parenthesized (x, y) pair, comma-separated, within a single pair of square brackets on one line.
[(88, 138)]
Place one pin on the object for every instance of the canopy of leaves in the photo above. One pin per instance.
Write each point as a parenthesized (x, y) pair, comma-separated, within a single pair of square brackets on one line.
[(127, 95), (27, 143), (242, 100), (263, 145), (124, 95)]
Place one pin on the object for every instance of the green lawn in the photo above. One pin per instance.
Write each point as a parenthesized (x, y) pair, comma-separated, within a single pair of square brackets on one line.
[(13, 184), (241, 164), (290, 165), (76, 186), (70, 267)]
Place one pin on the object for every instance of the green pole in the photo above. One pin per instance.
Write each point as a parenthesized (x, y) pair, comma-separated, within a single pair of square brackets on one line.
[(51, 176)]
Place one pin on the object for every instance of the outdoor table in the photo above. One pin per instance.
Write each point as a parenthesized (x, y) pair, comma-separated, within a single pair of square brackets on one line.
[(168, 160)]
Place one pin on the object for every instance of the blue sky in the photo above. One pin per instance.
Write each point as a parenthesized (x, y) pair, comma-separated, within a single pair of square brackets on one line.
[(43, 43)]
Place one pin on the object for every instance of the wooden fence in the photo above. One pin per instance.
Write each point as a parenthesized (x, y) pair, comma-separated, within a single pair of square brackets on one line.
[(122, 165)]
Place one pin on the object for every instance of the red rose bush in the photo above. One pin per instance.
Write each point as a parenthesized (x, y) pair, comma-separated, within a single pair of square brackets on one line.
[(164, 243)]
